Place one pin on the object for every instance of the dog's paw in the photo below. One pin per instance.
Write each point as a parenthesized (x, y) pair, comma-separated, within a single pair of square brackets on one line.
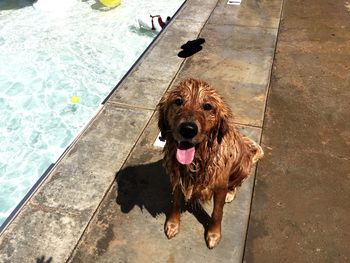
[(171, 228), (230, 196), (212, 239)]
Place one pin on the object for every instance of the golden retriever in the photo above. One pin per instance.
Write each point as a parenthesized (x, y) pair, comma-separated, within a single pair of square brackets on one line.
[(204, 155)]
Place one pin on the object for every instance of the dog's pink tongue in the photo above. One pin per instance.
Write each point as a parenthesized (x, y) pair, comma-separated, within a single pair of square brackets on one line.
[(185, 156)]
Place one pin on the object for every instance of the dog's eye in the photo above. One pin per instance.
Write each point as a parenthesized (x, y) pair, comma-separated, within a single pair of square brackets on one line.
[(207, 106), (178, 101)]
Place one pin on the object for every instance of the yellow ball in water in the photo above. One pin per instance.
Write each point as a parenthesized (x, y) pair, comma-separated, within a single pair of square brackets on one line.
[(75, 99), (110, 3)]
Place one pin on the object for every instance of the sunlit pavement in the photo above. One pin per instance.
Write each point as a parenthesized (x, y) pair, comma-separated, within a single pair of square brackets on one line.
[(300, 192)]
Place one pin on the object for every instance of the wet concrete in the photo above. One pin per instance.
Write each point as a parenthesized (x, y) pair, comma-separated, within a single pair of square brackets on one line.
[(128, 227), (301, 203), (80, 214)]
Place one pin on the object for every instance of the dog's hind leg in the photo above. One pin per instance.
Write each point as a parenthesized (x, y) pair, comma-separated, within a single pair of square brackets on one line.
[(231, 194), (255, 148)]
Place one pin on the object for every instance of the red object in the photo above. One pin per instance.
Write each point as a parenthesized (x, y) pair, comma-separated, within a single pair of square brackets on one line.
[(160, 22)]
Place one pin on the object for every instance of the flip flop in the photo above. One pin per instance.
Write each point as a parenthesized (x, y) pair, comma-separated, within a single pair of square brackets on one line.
[(191, 43), (189, 51)]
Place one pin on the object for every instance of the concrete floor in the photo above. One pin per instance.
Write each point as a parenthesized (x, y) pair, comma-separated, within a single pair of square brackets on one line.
[(300, 206)]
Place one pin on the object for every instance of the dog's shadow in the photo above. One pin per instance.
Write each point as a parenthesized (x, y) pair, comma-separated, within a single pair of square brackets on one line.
[(147, 186)]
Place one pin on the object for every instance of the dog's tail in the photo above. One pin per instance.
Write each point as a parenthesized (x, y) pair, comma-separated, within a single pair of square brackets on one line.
[(255, 148)]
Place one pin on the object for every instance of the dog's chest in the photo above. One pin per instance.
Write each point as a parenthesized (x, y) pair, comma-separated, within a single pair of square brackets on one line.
[(194, 187)]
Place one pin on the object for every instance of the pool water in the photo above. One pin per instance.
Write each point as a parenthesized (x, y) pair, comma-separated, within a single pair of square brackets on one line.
[(50, 52)]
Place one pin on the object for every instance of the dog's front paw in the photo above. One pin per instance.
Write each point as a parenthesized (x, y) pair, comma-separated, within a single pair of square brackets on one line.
[(171, 228), (212, 239)]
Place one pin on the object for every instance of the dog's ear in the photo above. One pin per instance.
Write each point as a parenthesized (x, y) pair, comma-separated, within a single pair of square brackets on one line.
[(162, 120), (224, 123), (223, 129)]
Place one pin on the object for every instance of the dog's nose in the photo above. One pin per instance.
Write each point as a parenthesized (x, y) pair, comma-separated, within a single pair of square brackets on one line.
[(188, 130)]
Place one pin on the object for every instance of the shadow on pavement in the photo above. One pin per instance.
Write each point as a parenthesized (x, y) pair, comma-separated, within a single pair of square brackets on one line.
[(148, 187), (42, 259)]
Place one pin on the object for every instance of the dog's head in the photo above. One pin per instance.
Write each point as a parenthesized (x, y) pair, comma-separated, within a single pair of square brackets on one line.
[(192, 113)]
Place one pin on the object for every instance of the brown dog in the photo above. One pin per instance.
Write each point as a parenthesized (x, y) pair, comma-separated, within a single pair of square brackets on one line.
[(204, 154)]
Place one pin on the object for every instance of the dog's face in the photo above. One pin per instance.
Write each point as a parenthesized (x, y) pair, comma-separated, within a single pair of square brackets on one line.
[(192, 113)]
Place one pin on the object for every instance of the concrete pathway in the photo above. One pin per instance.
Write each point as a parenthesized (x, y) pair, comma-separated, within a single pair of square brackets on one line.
[(301, 205), (236, 59), (80, 214)]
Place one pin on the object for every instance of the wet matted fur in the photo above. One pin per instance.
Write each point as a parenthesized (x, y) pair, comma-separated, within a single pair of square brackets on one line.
[(204, 155)]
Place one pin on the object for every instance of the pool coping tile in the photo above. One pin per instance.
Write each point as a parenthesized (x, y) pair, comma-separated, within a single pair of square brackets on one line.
[(116, 130), (197, 11), (250, 13), (41, 233)]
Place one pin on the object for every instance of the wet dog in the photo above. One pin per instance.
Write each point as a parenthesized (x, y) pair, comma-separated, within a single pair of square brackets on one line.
[(204, 155)]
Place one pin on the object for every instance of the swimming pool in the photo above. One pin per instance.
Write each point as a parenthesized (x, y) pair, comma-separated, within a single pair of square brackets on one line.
[(58, 62)]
